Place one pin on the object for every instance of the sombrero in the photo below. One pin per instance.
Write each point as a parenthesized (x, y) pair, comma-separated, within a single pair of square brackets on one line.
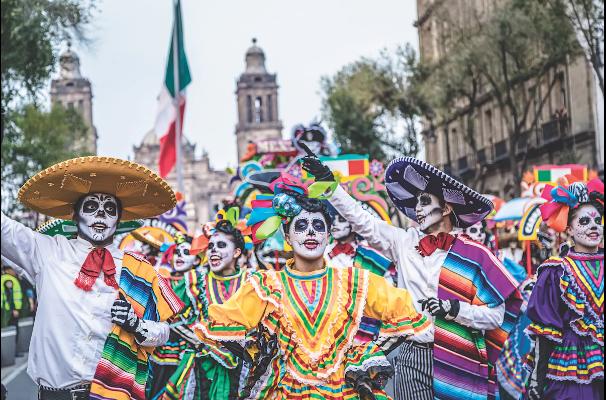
[(407, 176), (53, 191), (68, 228), (154, 239)]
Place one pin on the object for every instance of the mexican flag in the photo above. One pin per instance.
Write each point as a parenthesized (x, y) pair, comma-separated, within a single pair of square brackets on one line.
[(166, 117)]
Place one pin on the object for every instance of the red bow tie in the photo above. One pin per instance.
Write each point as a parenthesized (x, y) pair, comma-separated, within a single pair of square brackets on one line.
[(429, 244), (97, 260), (345, 248)]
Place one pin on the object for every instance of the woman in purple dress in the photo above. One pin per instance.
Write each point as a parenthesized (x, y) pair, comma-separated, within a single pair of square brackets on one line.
[(567, 304)]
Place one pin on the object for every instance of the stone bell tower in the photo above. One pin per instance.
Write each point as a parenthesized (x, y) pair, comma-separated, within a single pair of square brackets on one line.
[(257, 93), (71, 90)]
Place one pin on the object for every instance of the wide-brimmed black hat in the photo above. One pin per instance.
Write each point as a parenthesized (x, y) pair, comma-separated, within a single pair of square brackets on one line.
[(407, 176)]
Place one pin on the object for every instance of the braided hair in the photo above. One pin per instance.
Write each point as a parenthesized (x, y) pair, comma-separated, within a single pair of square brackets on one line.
[(224, 226), (311, 205)]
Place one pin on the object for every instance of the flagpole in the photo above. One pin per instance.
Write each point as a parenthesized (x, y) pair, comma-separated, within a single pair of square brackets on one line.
[(176, 99)]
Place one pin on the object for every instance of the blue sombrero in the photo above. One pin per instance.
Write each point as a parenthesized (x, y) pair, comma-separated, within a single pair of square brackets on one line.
[(407, 176)]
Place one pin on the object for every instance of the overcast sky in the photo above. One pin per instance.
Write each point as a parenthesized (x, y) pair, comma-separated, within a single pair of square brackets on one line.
[(302, 41)]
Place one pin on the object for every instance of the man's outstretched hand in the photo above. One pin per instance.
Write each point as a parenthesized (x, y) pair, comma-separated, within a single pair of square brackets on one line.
[(313, 165)]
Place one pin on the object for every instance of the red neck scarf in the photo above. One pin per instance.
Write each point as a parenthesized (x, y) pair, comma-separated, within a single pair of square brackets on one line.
[(97, 260), (429, 244), (345, 248)]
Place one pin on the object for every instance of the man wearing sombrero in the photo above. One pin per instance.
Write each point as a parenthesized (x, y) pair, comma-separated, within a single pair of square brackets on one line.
[(100, 310), (457, 283)]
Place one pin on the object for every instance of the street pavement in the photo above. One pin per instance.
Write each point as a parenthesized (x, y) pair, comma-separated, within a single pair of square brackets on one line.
[(17, 382)]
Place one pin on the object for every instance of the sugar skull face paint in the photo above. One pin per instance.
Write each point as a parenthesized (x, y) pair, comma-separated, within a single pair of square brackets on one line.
[(222, 253), (428, 210), (182, 260), (309, 235), (98, 218), (587, 228), (476, 233), (341, 229)]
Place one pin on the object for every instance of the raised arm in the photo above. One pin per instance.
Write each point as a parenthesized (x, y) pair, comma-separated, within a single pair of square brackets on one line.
[(24, 247), (378, 233)]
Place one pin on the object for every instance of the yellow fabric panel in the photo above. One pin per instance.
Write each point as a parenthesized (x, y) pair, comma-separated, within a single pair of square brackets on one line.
[(385, 302)]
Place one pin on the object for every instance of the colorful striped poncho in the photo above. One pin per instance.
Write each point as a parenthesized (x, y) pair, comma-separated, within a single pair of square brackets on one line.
[(123, 369), (464, 357)]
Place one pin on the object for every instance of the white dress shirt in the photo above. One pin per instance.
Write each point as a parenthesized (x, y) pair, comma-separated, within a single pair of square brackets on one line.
[(71, 324), (419, 275)]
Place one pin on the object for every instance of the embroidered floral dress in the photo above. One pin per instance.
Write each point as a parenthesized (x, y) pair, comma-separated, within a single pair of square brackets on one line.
[(200, 371), (567, 307), (312, 319)]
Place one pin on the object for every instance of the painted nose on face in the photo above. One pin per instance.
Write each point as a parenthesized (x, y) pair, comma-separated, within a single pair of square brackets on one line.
[(101, 213)]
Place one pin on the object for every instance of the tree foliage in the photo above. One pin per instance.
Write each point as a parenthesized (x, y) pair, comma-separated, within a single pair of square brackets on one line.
[(35, 139), (366, 104), (507, 54), (32, 31)]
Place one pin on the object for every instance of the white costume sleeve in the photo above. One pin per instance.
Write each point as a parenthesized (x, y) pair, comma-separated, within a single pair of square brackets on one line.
[(378, 233), (481, 317), (24, 247), (157, 333)]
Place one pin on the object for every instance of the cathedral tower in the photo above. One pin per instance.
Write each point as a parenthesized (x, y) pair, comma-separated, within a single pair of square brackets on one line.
[(71, 90), (257, 94)]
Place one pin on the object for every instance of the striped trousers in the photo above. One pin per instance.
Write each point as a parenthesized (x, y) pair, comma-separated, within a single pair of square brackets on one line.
[(414, 373)]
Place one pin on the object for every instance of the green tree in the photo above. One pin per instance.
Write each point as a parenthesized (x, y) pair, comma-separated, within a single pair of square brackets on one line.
[(32, 31), (365, 102), (514, 51), (587, 18), (35, 139)]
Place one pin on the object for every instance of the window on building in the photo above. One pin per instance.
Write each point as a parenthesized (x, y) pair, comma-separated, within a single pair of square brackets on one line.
[(249, 114), (258, 79), (270, 111), (258, 110), (489, 123), (70, 105), (80, 105)]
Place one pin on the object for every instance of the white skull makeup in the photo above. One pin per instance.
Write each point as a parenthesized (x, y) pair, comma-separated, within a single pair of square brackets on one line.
[(341, 229), (182, 260), (428, 210), (221, 253), (309, 235), (98, 217), (476, 233), (586, 226)]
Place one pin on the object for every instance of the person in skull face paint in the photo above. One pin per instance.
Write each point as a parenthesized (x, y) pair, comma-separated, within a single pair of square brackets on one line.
[(441, 286), (566, 307), (477, 232), (296, 327), (215, 370), (90, 314)]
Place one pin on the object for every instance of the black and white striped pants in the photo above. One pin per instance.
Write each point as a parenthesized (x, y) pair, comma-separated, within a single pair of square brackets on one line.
[(414, 373)]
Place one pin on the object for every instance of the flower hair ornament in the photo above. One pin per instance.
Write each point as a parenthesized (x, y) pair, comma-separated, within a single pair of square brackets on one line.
[(232, 215), (565, 197), (272, 210)]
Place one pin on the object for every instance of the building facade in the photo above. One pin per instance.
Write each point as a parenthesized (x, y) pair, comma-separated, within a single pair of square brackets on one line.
[(566, 129), (257, 99), (205, 188), (71, 90)]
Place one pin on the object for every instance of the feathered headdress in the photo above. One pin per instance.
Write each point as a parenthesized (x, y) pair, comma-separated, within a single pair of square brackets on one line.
[(564, 197), (200, 244), (272, 210)]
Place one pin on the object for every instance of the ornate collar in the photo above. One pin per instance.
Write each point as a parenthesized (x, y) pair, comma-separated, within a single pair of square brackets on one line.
[(305, 276)]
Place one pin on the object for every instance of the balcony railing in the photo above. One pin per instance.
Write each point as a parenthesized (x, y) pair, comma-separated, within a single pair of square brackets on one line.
[(554, 130), (467, 164), (522, 143)]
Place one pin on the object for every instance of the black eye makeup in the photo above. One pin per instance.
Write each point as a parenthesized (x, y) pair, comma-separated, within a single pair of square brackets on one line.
[(584, 221), (90, 206), (318, 225), (598, 220), (222, 245), (425, 200), (473, 230), (110, 208)]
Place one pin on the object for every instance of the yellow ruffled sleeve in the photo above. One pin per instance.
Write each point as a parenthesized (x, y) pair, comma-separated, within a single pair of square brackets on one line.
[(394, 308), (232, 320)]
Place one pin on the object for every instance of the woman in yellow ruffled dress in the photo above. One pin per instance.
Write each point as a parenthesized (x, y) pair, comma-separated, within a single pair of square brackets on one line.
[(296, 327)]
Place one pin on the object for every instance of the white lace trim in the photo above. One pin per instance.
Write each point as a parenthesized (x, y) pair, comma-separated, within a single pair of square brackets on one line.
[(597, 375), (376, 361), (532, 335), (190, 389), (218, 338), (269, 298)]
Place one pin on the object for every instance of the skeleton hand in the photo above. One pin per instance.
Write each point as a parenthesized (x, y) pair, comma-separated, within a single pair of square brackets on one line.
[(313, 165), (448, 309), (124, 316)]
